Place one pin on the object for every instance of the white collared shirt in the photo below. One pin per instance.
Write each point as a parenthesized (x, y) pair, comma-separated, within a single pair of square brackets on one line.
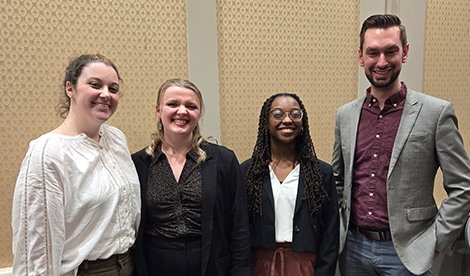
[(75, 200), (285, 196)]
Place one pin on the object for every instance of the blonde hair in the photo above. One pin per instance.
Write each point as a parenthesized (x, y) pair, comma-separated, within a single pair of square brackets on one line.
[(157, 137)]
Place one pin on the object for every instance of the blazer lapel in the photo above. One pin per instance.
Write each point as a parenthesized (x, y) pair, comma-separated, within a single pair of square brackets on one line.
[(145, 172), (300, 195), (268, 190), (354, 116), (408, 119), (209, 185)]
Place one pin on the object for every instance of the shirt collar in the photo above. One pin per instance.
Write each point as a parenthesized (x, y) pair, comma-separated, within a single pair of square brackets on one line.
[(159, 153), (192, 155), (395, 99)]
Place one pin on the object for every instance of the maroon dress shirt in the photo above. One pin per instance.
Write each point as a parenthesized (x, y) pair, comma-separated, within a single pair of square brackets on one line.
[(375, 138)]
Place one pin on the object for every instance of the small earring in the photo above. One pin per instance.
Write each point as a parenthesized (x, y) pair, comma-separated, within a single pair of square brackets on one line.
[(159, 125)]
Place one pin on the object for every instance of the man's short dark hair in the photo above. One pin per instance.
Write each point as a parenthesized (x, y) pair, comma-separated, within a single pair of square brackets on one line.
[(382, 21)]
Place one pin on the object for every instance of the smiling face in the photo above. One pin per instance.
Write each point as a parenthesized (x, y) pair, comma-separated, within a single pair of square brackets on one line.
[(95, 97), (382, 57), (284, 131), (179, 110)]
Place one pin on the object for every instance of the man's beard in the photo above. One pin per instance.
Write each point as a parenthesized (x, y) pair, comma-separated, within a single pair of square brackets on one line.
[(383, 83)]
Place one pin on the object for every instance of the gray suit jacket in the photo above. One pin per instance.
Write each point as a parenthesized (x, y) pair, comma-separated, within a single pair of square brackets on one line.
[(427, 138)]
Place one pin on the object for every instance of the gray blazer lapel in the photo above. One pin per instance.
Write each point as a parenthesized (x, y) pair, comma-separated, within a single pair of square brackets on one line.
[(354, 117), (408, 119)]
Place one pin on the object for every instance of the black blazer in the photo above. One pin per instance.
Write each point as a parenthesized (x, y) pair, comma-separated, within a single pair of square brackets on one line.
[(324, 241), (225, 235)]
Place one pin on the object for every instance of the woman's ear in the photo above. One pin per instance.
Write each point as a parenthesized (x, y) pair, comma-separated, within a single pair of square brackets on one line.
[(69, 89), (158, 113)]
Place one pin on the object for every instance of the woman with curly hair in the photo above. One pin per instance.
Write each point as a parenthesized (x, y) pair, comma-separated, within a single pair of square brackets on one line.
[(76, 207), (292, 199)]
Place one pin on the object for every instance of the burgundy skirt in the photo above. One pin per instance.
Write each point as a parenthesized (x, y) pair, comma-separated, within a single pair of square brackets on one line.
[(282, 261)]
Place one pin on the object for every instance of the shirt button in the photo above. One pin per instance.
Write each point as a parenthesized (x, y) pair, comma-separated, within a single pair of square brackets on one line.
[(394, 105), (370, 213), (373, 175), (375, 154), (371, 194), (377, 136), (373, 100), (381, 116)]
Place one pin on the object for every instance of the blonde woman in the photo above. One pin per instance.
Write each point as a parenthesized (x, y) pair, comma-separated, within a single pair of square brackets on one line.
[(195, 220)]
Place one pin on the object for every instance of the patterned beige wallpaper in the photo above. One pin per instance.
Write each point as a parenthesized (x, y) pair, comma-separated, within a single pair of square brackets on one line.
[(267, 47), (446, 71), (146, 40)]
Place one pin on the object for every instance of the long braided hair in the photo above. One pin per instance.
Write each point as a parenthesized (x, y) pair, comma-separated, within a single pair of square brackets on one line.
[(305, 155)]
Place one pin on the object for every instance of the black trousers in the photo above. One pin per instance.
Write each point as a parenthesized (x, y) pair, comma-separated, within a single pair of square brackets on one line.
[(118, 265), (173, 257)]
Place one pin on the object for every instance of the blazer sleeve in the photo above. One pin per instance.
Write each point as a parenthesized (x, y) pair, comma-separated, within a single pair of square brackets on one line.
[(328, 248), (455, 167), (142, 162), (240, 243), (337, 162)]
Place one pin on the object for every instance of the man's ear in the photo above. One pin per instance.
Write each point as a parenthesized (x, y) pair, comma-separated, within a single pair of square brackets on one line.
[(405, 53), (360, 57)]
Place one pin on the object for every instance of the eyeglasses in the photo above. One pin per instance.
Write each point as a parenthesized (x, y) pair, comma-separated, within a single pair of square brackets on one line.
[(295, 114)]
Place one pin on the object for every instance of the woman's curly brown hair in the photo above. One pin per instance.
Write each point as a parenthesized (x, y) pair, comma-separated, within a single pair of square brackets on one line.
[(305, 155)]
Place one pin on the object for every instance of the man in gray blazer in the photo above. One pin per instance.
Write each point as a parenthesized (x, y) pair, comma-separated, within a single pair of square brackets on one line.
[(388, 147)]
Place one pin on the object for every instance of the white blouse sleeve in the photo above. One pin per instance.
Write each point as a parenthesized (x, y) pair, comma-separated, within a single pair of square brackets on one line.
[(38, 211)]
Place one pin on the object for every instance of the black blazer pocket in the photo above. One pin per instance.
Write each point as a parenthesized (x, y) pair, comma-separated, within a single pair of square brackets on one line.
[(223, 266), (421, 213)]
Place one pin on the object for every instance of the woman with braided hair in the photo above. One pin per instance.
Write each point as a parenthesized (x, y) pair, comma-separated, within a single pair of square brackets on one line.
[(292, 199)]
